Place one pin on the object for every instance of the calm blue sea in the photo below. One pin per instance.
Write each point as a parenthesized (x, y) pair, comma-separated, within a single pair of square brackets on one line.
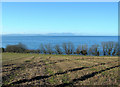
[(33, 42)]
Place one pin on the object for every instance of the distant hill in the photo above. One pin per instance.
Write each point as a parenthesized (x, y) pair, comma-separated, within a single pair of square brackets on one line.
[(49, 34), (60, 34), (54, 34)]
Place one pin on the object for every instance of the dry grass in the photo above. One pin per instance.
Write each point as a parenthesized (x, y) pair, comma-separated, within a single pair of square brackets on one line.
[(59, 70)]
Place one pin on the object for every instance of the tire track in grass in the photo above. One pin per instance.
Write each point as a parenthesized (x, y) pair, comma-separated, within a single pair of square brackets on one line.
[(61, 73), (6, 66), (59, 61), (14, 58), (63, 60), (9, 64), (82, 78), (17, 69)]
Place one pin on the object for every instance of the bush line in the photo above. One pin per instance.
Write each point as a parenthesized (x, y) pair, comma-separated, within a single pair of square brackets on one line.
[(107, 49)]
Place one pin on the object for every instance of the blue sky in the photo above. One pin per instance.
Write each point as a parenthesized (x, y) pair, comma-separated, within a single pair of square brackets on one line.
[(83, 18)]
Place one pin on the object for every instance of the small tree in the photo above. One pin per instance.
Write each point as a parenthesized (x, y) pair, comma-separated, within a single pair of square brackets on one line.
[(103, 46), (115, 49), (42, 48), (110, 46), (84, 50), (68, 48), (48, 48), (78, 50), (107, 47), (58, 49), (94, 50), (64, 45)]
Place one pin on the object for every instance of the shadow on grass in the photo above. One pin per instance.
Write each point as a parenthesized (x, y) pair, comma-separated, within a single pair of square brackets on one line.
[(71, 70), (44, 77), (82, 78)]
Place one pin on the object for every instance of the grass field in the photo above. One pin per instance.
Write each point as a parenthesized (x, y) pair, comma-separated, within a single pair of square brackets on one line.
[(59, 70)]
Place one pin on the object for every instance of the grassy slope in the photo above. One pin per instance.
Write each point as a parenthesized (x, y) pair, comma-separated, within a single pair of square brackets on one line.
[(61, 70)]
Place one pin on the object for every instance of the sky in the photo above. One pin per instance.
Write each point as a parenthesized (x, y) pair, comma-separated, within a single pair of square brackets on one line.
[(80, 18)]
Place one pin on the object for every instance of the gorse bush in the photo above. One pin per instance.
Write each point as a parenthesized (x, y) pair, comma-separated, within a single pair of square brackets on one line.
[(107, 49)]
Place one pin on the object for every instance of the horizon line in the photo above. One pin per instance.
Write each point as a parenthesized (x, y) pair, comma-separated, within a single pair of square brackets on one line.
[(60, 0), (72, 34)]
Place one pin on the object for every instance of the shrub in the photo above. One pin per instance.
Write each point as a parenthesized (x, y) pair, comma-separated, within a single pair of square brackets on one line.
[(27, 51), (108, 48), (84, 50), (115, 50), (48, 48), (38, 51), (103, 46), (68, 48), (78, 50), (94, 50), (58, 49), (20, 48), (42, 48), (2, 50), (64, 45), (32, 51)]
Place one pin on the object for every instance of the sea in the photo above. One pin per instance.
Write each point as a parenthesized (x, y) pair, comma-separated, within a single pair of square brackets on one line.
[(33, 42)]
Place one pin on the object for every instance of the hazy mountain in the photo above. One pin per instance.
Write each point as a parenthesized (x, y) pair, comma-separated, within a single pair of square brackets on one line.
[(60, 34), (49, 34), (54, 34)]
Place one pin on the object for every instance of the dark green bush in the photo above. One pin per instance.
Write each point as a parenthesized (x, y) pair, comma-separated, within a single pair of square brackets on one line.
[(2, 50), (20, 48), (84, 50)]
